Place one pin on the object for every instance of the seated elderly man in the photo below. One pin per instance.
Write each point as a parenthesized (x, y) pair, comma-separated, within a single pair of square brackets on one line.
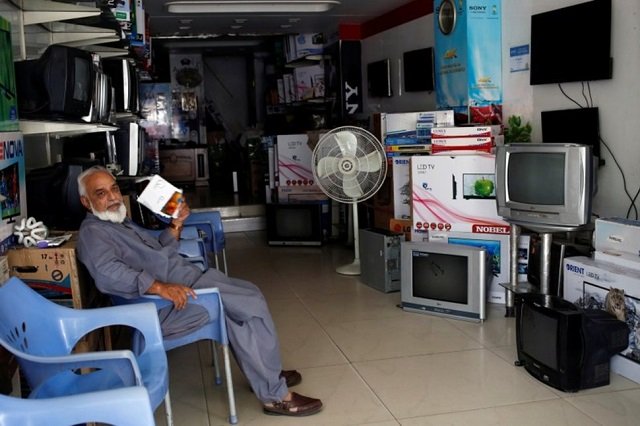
[(125, 260)]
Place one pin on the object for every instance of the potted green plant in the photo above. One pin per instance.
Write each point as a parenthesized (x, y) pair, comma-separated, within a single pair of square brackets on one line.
[(515, 131)]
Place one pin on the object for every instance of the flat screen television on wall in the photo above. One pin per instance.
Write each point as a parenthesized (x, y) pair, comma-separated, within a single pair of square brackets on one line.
[(418, 70), (578, 125), (379, 79), (572, 43)]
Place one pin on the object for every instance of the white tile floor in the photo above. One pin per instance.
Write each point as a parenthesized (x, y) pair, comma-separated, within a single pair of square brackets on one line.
[(372, 363)]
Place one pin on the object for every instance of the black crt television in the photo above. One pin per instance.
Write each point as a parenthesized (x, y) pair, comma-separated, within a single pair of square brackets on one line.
[(418, 70), (379, 79), (58, 85), (52, 194), (578, 125), (572, 43), (564, 346), (295, 224), (10, 192)]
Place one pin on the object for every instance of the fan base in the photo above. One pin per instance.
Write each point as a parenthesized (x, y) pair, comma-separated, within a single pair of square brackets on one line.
[(350, 269)]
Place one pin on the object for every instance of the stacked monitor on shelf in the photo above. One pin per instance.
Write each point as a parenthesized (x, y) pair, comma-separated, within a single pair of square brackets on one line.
[(71, 84)]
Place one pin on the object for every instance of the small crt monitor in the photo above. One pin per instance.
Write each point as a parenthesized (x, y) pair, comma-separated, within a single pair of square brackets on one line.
[(443, 279), (545, 187)]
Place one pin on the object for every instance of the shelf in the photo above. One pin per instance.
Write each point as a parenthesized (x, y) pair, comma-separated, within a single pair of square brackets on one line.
[(61, 128), (43, 11), (306, 61)]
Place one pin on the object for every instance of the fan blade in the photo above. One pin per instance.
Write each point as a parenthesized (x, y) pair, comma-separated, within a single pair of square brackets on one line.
[(327, 166), (370, 162), (351, 187), (347, 142)]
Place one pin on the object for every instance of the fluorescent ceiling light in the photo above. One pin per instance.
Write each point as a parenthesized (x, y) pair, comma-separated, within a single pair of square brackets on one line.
[(249, 6)]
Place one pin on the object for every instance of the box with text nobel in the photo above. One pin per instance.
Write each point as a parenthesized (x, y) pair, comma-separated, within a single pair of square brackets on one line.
[(617, 235), (454, 193), (594, 284), (13, 191), (401, 177), (53, 272), (496, 247)]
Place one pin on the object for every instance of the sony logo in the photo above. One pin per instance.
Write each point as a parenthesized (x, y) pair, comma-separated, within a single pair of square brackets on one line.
[(478, 8)]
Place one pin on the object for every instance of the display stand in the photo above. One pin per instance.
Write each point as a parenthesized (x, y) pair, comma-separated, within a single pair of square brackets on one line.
[(514, 287)]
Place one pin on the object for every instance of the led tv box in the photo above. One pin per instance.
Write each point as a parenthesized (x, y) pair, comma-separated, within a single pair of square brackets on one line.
[(454, 193), (497, 248), (588, 281)]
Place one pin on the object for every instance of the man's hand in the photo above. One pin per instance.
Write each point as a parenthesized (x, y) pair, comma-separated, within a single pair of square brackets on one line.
[(177, 223), (177, 293)]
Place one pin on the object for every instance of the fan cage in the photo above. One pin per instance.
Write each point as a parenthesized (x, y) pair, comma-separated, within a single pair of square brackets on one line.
[(369, 181)]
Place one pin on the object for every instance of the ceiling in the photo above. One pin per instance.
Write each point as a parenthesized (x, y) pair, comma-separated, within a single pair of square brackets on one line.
[(165, 24)]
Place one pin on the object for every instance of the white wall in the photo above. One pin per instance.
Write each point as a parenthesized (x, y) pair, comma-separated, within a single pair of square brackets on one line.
[(392, 44), (618, 99)]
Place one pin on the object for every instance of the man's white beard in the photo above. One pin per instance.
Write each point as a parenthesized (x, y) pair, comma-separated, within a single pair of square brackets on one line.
[(107, 215)]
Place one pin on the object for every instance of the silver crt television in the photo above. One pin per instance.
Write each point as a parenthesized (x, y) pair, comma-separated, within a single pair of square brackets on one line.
[(545, 187), (443, 279)]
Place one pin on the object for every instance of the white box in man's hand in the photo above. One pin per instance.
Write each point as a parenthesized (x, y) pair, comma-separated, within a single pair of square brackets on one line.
[(161, 197)]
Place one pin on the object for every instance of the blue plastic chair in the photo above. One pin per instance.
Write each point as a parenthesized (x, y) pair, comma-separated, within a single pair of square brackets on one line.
[(123, 407), (192, 247), (215, 330), (42, 334), (211, 231)]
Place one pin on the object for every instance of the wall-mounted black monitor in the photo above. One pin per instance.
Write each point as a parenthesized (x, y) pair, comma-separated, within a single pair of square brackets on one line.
[(379, 79), (579, 125), (572, 43), (418, 70)]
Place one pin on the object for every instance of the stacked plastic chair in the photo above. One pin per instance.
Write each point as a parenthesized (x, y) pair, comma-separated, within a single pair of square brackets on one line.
[(42, 335), (123, 407), (215, 330)]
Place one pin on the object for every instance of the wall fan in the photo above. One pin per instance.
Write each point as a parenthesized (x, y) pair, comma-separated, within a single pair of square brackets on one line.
[(349, 166)]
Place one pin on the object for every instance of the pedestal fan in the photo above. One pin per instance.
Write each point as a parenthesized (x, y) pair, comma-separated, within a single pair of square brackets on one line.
[(349, 166)]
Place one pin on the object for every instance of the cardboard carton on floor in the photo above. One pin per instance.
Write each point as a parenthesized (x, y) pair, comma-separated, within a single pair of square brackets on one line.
[(53, 272)]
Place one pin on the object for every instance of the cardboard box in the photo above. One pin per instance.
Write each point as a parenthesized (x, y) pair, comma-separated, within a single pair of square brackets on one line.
[(622, 259), (401, 226), (409, 124), (300, 45), (54, 272), (471, 143), (617, 235), (454, 193), (462, 131), (309, 82), (588, 281), (401, 177)]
